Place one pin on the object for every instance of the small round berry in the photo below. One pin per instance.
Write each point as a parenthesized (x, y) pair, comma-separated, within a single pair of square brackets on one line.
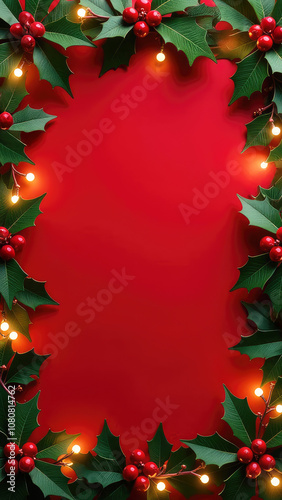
[(17, 30), (255, 32), (279, 233), (137, 457), (276, 254), (7, 252), (268, 24), (29, 449), (267, 463), (150, 469), (37, 29), (6, 120), (245, 455), (267, 243), (11, 466), (154, 18), (26, 18), (141, 29), (4, 233), (253, 470), (143, 4), (142, 483), (130, 473), (26, 464), (28, 43), (264, 43), (11, 450), (277, 34), (259, 446), (130, 15), (17, 242)]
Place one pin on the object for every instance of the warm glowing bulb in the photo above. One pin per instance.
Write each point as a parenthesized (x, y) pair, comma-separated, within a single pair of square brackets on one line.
[(13, 335), (276, 130), (160, 57), (76, 448), (161, 486), (279, 408), (4, 326), (81, 12), (30, 177), (264, 164), (205, 479), (18, 72), (275, 481), (258, 392), (15, 198)]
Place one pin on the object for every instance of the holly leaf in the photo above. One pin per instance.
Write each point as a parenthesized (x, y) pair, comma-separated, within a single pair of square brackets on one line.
[(120, 5), (50, 480), (117, 52), (154, 494), (18, 320), (239, 14), (238, 486), (9, 57), (6, 351), (11, 149), (273, 433), (99, 7), (12, 93), (250, 75), (277, 393), (26, 419), (52, 65), (255, 273), (66, 34), (277, 12), (169, 6), (272, 369), (34, 294), (38, 8), (261, 214), (10, 10), (231, 45), (159, 447), (62, 9), (29, 120), (54, 444), (188, 486), (24, 367), (240, 417), (182, 456), (274, 59), (213, 449), (108, 447), (20, 215), (114, 27), (277, 98), (275, 154), (118, 491), (274, 290), (262, 8), (20, 493), (11, 280), (186, 35), (258, 132)]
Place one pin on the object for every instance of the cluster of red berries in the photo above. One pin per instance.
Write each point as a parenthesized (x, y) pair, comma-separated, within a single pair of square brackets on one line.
[(266, 33), (27, 29), (142, 17), (140, 471), (256, 459), (23, 459), (274, 247), (9, 244)]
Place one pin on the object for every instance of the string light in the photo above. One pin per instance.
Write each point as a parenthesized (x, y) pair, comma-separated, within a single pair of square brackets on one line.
[(13, 335), (76, 448), (264, 164), (258, 392), (161, 486), (81, 12), (204, 479), (160, 57), (275, 481), (275, 130), (15, 198), (18, 72), (279, 408), (4, 326), (30, 177)]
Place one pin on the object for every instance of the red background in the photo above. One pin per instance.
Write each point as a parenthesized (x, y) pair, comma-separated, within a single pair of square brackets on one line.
[(166, 335)]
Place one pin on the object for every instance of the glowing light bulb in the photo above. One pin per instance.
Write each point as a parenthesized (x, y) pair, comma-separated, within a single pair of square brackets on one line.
[(276, 130), (204, 479), (264, 164), (279, 408), (30, 177), (258, 392), (160, 57), (161, 486), (4, 326), (76, 448), (13, 335), (81, 12), (15, 198), (18, 72), (275, 481)]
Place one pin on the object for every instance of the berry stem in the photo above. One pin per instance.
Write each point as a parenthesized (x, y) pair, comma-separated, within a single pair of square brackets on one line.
[(266, 411), (181, 473), (3, 385), (93, 15), (60, 462)]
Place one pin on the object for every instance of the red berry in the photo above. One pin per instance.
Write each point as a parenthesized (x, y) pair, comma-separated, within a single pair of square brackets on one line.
[(26, 464), (28, 43), (141, 29), (253, 470), (268, 24), (255, 32), (259, 446), (130, 15), (37, 29), (264, 43), (143, 4), (130, 473), (29, 449), (245, 455), (150, 469), (277, 34), (11, 466), (154, 18), (7, 252), (17, 30), (25, 18), (267, 243), (11, 450), (142, 483), (279, 233), (275, 254), (4, 233), (137, 457), (6, 120), (267, 463), (17, 242)]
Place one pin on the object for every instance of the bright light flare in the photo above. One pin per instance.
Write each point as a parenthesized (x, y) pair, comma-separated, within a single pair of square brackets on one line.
[(76, 448), (81, 12), (30, 177), (258, 392), (204, 479), (275, 481), (160, 57), (161, 486), (13, 335), (18, 72), (264, 164), (4, 326)]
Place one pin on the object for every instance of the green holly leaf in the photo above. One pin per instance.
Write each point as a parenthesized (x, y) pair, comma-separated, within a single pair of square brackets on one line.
[(154, 494), (277, 393), (20, 493), (273, 193), (277, 12), (20, 215), (34, 294), (26, 419), (231, 45), (108, 447), (273, 432), (186, 35), (18, 320), (50, 480), (66, 34), (114, 27), (275, 154), (207, 17), (11, 280), (38, 8), (11, 149), (6, 351), (117, 52), (97, 470), (258, 132), (30, 120), (274, 290), (213, 449), (255, 273), (182, 456), (12, 93), (9, 58), (99, 7), (24, 367), (118, 491), (240, 417), (262, 8), (239, 14), (261, 214), (238, 486), (274, 59), (62, 9), (272, 368), (120, 5), (159, 447), (10, 10), (266, 490), (92, 27), (277, 98), (188, 486), (52, 65), (250, 75), (54, 444), (169, 6)]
